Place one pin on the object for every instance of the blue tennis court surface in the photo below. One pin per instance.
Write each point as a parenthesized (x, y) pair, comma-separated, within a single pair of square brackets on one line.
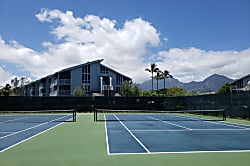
[(179, 136), (15, 129)]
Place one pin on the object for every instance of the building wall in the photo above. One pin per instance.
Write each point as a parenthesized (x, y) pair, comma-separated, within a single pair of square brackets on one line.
[(240, 85), (95, 77), (76, 79)]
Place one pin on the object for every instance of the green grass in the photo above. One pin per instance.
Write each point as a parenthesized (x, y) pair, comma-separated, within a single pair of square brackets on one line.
[(83, 143), (239, 121)]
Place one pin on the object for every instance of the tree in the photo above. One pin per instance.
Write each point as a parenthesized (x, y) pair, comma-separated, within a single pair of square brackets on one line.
[(136, 90), (175, 91), (128, 89), (224, 89), (78, 91), (15, 82), (18, 85), (153, 68), (158, 77), (165, 74), (192, 93), (6, 90)]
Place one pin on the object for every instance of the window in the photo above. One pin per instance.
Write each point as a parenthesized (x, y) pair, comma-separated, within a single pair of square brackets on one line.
[(86, 74), (118, 90), (119, 79), (86, 78), (104, 70), (86, 68), (87, 89)]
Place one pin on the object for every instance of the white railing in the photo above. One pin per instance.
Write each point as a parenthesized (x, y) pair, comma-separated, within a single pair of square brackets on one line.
[(53, 83), (107, 87), (64, 81), (61, 82)]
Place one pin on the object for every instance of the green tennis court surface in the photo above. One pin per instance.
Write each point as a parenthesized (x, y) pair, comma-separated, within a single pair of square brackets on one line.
[(84, 143)]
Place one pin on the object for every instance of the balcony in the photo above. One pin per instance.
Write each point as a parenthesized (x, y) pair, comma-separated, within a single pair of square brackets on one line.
[(107, 87), (64, 81), (64, 93), (60, 82)]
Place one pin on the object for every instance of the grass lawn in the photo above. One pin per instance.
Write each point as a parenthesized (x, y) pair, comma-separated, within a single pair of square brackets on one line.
[(83, 143)]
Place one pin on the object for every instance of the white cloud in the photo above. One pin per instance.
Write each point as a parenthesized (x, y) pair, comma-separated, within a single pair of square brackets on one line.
[(85, 39), (5, 76), (124, 49), (195, 64)]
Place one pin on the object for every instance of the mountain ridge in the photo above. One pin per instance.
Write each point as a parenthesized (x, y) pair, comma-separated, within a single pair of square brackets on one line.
[(210, 84)]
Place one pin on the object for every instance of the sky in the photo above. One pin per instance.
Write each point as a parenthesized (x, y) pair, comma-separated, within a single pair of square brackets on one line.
[(191, 39)]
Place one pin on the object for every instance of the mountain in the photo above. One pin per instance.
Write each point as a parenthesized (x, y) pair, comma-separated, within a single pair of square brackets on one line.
[(212, 83)]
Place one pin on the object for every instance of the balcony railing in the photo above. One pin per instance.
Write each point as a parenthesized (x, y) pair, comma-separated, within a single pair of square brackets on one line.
[(61, 82), (64, 92), (64, 81), (107, 87)]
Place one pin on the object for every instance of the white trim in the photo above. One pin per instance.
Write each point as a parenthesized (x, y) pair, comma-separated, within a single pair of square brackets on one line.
[(184, 152), (32, 135), (192, 130), (107, 138), (12, 120), (142, 145), (31, 127), (171, 123)]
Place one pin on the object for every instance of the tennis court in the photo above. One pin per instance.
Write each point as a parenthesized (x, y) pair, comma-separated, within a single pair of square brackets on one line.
[(19, 126), (147, 133), (83, 143)]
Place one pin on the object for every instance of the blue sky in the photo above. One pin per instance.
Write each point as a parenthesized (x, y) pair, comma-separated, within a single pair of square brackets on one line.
[(202, 36)]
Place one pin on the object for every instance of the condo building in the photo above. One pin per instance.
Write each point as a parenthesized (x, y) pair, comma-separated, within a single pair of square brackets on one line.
[(96, 78)]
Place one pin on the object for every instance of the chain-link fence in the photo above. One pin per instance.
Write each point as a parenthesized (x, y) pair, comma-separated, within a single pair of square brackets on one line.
[(236, 105)]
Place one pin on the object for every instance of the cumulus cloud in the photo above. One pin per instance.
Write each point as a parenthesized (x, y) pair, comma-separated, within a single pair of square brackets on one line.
[(125, 49), (85, 39), (194, 64), (5, 77)]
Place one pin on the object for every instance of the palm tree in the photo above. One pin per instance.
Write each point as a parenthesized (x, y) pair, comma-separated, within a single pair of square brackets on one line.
[(153, 68), (158, 77), (165, 74), (15, 82)]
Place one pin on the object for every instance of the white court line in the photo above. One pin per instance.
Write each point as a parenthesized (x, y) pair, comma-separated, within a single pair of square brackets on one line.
[(30, 137), (107, 138), (171, 123), (219, 123), (185, 152), (32, 127), (4, 132), (225, 124), (144, 130), (143, 146), (35, 134), (12, 120)]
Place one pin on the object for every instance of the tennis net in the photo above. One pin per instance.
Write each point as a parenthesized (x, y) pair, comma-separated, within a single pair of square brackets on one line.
[(40, 116), (155, 115)]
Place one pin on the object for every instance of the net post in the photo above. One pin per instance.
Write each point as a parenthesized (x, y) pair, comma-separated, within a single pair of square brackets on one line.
[(94, 111), (74, 115), (224, 115), (95, 115)]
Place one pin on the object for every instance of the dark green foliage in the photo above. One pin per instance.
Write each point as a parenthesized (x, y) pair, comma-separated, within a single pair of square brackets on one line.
[(129, 90), (224, 89)]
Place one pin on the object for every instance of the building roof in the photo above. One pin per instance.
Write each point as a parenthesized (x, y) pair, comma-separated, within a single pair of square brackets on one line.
[(242, 78), (77, 66)]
